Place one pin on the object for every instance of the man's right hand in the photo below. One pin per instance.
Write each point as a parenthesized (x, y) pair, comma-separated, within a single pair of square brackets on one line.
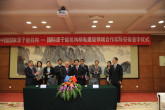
[(109, 82), (37, 73)]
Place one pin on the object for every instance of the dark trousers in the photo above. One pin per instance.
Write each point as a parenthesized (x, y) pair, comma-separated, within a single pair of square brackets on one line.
[(40, 82), (84, 81), (118, 91), (46, 80), (58, 77), (80, 81)]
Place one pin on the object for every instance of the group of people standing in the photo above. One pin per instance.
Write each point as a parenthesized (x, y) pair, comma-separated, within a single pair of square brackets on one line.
[(35, 76)]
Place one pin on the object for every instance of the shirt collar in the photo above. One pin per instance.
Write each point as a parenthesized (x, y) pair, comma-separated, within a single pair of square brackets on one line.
[(30, 67), (115, 64)]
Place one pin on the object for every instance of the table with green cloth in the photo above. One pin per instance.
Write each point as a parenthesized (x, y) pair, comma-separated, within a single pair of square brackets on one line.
[(102, 98)]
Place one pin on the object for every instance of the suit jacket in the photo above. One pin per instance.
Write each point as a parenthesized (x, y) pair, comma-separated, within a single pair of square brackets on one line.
[(116, 75), (86, 69), (51, 72), (71, 66), (57, 71), (30, 77), (79, 73), (63, 73), (98, 69)]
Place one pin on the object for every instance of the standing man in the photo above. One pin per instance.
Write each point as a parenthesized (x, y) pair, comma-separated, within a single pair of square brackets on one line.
[(31, 74), (86, 71), (57, 70), (96, 71), (71, 63), (65, 71), (115, 76), (79, 72)]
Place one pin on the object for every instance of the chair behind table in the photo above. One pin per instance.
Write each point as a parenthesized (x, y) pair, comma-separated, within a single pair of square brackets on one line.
[(93, 81), (52, 81)]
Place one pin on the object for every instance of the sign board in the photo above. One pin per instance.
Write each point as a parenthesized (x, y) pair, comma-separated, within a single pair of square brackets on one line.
[(161, 60)]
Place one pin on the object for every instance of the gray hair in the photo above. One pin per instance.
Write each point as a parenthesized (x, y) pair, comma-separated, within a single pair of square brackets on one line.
[(30, 61)]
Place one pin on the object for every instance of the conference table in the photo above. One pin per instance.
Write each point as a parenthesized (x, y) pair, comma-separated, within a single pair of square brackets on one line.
[(102, 98)]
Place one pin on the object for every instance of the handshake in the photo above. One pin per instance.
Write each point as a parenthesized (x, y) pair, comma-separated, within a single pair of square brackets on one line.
[(37, 73)]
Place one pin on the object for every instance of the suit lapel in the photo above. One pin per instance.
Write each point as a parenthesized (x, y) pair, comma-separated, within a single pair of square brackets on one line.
[(29, 68), (66, 72), (79, 68)]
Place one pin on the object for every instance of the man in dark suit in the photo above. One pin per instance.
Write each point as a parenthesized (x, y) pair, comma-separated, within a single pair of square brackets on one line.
[(57, 70), (48, 71), (86, 71), (79, 72), (65, 71), (31, 74), (115, 76), (71, 64)]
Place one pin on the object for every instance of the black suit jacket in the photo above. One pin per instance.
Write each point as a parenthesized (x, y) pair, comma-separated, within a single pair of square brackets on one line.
[(79, 73), (57, 71), (30, 77), (63, 73), (71, 67), (86, 70), (51, 73), (116, 75)]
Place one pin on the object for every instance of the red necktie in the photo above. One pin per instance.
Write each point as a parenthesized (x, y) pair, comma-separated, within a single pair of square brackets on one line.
[(67, 71), (96, 68)]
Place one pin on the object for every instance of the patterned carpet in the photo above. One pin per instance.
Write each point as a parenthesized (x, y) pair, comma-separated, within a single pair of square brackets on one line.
[(129, 101), (121, 106)]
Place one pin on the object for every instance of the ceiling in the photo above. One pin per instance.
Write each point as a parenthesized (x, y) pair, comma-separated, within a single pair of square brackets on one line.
[(128, 16)]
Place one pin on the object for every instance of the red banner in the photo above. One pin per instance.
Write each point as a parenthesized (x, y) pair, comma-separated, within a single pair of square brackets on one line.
[(75, 39)]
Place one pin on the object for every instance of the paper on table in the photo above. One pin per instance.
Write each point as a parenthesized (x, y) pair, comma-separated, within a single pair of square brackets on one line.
[(95, 86), (43, 86)]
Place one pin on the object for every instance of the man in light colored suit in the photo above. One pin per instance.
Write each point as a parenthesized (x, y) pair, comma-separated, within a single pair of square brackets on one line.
[(96, 71)]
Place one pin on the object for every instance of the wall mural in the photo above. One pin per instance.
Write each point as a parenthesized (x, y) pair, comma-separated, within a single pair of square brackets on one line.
[(88, 53)]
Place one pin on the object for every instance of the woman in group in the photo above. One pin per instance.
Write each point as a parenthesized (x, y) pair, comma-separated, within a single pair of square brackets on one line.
[(40, 76), (48, 71), (106, 70)]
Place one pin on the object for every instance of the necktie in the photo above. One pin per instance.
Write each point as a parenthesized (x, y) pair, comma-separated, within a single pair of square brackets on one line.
[(32, 70), (67, 70), (77, 68), (96, 68)]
